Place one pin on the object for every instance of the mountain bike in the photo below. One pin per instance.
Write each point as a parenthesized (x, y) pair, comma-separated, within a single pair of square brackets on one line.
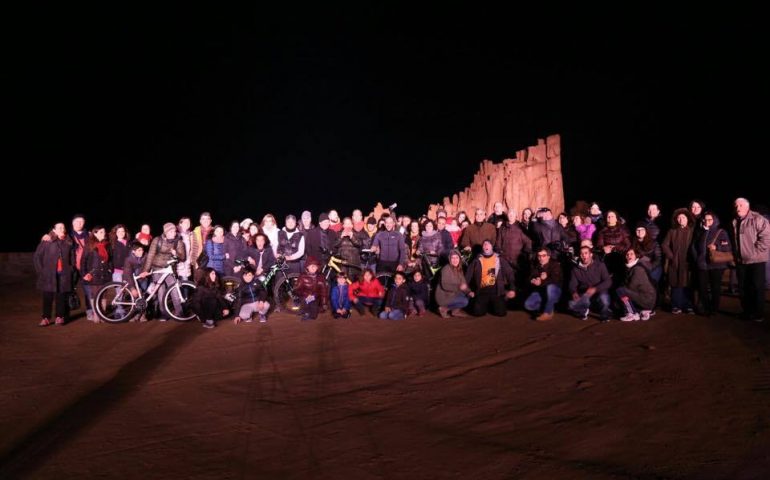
[(282, 284), (118, 301), (333, 267), (426, 267)]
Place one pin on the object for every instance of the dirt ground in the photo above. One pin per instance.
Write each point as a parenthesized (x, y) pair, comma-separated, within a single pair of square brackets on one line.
[(675, 397)]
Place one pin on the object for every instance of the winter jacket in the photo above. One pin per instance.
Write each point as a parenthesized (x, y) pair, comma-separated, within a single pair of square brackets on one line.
[(46, 260), (392, 247), (340, 297), (753, 236), (397, 298), (503, 275), (514, 244), (373, 289), (703, 238), (639, 286), (594, 274), (449, 284)]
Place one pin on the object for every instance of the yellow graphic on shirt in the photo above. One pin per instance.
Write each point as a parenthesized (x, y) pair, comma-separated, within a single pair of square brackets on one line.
[(488, 271)]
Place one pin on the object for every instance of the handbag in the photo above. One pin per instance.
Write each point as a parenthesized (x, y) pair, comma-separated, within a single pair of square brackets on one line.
[(715, 256), (203, 259), (73, 300)]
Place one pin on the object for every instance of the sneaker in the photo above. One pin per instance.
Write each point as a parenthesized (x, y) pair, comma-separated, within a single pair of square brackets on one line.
[(208, 324), (248, 319), (44, 323), (690, 311), (305, 317), (262, 318), (676, 311), (645, 315), (59, 321), (444, 312), (630, 317), (758, 319), (90, 315), (584, 315), (544, 317), (458, 312)]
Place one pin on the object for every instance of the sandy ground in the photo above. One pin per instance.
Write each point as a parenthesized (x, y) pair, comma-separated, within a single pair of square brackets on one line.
[(675, 397)]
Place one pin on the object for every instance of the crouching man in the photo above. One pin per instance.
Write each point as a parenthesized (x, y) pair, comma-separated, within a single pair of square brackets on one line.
[(250, 298)]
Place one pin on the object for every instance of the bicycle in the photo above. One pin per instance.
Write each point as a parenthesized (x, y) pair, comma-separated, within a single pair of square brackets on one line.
[(284, 297), (334, 264), (116, 301), (429, 270)]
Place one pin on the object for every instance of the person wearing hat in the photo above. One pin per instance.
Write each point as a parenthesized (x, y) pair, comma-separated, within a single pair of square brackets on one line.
[(320, 241), (161, 250), (311, 289)]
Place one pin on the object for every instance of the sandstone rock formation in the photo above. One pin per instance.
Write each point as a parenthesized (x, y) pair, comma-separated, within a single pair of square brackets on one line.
[(532, 179)]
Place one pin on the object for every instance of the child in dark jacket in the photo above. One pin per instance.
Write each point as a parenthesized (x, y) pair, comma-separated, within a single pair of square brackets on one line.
[(250, 297), (396, 301), (419, 291), (311, 289), (340, 299)]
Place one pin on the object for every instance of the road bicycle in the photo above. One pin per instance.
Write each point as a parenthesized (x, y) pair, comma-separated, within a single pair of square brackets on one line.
[(118, 301)]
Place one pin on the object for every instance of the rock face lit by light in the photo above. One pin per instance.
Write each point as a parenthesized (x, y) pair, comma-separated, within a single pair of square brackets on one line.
[(531, 179)]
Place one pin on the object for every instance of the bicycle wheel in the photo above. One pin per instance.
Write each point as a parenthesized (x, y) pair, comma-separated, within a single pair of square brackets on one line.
[(184, 290), (283, 293), (114, 303), (385, 278)]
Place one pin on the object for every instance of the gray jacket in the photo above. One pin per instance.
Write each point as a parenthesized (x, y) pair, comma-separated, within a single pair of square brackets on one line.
[(754, 238)]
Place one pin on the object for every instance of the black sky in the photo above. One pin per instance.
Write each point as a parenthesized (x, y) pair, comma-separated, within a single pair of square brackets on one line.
[(299, 109)]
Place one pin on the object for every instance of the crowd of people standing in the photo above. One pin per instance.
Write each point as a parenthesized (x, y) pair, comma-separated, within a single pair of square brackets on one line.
[(455, 265)]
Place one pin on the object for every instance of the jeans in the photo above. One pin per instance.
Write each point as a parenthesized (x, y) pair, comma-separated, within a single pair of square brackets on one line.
[(392, 315), (584, 303), (535, 299), (459, 301)]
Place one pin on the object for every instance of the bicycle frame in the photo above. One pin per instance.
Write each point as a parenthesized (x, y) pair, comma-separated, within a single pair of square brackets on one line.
[(120, 297), (335, 263)]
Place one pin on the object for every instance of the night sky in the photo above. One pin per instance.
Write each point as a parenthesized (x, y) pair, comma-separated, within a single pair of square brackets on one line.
[(340, 108)]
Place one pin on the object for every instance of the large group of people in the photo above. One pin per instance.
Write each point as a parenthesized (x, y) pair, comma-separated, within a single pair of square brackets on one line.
[(453, 265)]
